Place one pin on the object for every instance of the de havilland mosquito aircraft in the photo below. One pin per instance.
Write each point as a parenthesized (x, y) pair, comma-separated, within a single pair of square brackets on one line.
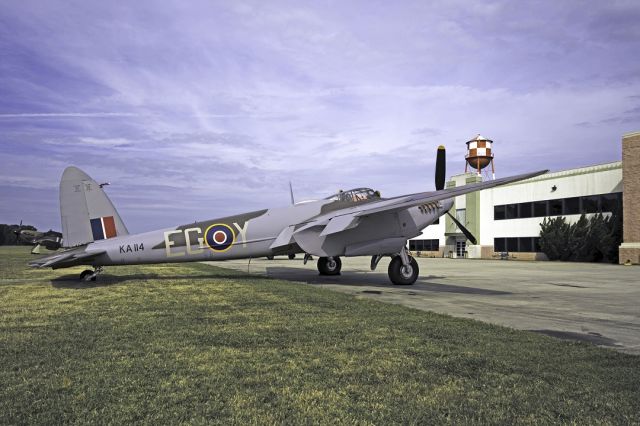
[(357, 222)]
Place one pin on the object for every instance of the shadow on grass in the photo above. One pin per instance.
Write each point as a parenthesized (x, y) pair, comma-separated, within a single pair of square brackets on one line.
[(595, 338), (104, 280)]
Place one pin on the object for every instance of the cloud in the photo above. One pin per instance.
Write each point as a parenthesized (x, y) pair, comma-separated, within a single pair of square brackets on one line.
[(214, 107)]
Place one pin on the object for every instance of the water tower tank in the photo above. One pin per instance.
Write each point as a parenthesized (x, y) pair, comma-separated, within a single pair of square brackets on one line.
[(479, 154)]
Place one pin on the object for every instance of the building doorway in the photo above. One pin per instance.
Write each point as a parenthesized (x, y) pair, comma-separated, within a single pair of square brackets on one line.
[(461, 248)]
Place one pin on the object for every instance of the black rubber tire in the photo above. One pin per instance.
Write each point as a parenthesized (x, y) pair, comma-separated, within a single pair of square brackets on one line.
[(85, 273), (399, 275), (292, 256), (325, 267), (270, 257)]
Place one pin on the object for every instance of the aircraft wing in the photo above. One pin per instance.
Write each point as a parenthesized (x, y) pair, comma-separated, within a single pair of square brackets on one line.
[(413, 200), (71, 257), (341, 220)]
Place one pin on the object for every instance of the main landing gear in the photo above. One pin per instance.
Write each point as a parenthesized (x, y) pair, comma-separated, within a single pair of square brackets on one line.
[(329, 265), (89, 275), (403, 269)]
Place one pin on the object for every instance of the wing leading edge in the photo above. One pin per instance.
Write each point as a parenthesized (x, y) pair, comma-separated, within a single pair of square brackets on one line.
[(420, 198)]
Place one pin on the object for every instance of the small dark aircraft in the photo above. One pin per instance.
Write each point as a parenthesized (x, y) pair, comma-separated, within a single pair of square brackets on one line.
[(51, 240), (358, 222)]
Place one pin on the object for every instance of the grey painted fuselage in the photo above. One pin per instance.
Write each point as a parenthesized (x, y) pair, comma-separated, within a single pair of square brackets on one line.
[(254, 235)]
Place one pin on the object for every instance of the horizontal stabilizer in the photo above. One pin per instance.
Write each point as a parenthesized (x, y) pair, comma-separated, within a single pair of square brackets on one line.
[(66, 258)]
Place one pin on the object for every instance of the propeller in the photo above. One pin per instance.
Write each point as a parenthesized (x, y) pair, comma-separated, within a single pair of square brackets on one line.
[(464, 230), (441, 171), (441, 167)]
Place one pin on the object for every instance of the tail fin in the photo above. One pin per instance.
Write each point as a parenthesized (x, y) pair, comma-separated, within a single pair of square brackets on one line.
[(87, 213)]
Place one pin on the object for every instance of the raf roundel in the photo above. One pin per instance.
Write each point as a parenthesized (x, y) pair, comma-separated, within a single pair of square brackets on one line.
[(219, 237)]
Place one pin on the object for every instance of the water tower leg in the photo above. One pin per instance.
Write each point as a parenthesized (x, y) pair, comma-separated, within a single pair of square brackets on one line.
[(493, 170), (478, 166)]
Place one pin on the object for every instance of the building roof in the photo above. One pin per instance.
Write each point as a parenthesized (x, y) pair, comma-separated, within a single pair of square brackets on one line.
[(573, 172), (479, 138)]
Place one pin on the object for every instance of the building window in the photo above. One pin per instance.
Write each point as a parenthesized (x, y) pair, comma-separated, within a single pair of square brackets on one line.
[(604, 203), (525, 244), (525, 210), (512, 211), (555, 207), (424, 245), (540, 208), (572, 205), (611, 202), (516, 245), (591, 204)]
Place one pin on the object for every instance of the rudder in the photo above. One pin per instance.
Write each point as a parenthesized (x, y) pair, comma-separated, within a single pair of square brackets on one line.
[(87, 213)]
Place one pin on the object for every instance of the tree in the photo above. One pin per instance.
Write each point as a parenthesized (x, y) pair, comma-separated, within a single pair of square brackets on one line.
[(580, 244), (588, 240), (554, 238)]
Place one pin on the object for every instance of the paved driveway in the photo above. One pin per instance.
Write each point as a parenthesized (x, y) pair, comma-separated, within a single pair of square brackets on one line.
[(599, 303)]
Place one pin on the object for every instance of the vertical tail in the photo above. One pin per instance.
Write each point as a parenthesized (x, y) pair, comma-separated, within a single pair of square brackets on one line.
[(86, 212)]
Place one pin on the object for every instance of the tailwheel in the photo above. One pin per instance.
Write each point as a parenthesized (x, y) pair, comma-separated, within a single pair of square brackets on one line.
[(329, 265), (401, 274), (87, 275)]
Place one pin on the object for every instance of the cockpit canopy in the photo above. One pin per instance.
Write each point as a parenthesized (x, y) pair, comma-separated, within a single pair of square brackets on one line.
[(355, 195)]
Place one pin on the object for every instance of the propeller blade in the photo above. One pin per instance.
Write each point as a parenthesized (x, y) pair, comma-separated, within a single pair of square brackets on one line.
[(441, 167), (464, 230)]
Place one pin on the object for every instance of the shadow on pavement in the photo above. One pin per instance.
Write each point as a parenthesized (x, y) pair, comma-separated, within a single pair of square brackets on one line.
[(368, 279)]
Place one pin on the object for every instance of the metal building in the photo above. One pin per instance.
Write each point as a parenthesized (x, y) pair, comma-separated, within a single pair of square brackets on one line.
[(507, 219)]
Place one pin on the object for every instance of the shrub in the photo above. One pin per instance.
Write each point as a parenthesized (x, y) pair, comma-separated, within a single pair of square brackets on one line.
[(587, 240)]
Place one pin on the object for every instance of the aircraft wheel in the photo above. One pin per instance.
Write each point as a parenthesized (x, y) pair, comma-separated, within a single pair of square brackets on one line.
[(403, 275), (270, 257), (87, 275), (329, 265), (292, 256)]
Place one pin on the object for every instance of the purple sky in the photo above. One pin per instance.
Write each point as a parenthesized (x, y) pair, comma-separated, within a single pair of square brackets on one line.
[(194, 110)]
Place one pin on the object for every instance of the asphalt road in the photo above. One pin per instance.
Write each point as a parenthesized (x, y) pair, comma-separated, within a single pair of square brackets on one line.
[(598, 303)]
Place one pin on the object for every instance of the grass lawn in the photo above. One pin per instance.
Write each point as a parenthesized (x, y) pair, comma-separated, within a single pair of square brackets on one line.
[(199, 344)]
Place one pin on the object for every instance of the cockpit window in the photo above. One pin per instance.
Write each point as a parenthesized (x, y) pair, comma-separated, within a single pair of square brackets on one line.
[(355, 195)]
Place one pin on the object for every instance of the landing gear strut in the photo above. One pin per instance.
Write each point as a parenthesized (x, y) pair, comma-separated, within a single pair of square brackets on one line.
[(329, 265), (403, 269), (89, 275)]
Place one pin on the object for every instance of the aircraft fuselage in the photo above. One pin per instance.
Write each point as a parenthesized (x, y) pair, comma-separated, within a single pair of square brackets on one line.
[(253, 234)]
